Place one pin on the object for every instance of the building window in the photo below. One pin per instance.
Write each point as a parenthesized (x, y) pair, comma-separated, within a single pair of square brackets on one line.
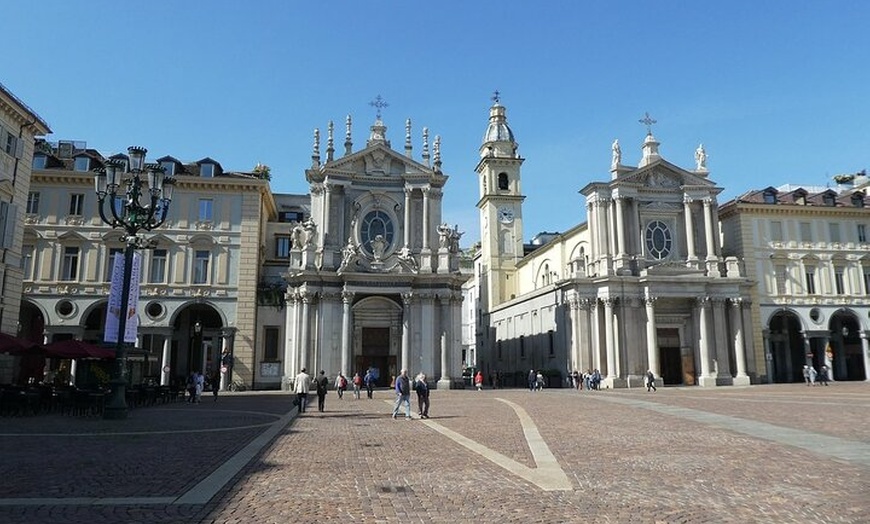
[(200, 267), (867, 283), (838, 281), (551, 341), (206, 211), (168, 167), (158, 266), (206, 170), (806, 232), (835, 232), (27, 262), (374, 224), (770, 197), (282, 247), (503, 182), (658, 240), (776, 231), (70, 266), (858, 199), (781, 278), (110, 262), (39, 161), (811, 282), (11, 144), (271, 336), (291, 216), (522, 346), (829, 200), (33, 203), (82, 163), (862, 233), (498, 347), (76, 204)]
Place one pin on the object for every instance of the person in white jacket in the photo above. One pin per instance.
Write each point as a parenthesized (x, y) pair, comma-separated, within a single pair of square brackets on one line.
[(301, 385)]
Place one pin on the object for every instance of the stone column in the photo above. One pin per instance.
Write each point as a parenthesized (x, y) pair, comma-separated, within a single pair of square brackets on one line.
[(592, 223), (305, 322), (707, 378), (611, 226), (290, 338), (690, 230), (768, 354), (446, 325), (652, 343), (576, 345), (408, 216), (347, 301), (327, 204), (165, 360), (609, 303), (426, 225), (620, 227), (708, 229), (742, 379), (406, 330), (865, 350), (720, 341)]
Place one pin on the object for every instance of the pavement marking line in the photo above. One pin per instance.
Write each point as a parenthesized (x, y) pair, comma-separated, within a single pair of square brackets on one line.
[(851, 451), (209, 486), (201, 493), (548, 475)]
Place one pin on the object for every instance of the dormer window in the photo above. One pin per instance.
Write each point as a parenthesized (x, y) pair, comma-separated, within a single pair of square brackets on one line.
[(206, 170), (169, 168), (800, 198), (82, 163), (770, 197), (858, 199), (829, 200), (39, 161)]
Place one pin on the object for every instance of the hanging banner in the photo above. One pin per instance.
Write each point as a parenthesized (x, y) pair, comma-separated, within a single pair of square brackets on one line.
[(114, 309)]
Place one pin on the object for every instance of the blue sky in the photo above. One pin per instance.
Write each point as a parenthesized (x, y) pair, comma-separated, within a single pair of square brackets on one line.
[(776, 91)]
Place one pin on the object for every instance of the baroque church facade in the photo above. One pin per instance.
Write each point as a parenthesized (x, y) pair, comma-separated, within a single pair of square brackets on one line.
[(642, 285), (372, 280)]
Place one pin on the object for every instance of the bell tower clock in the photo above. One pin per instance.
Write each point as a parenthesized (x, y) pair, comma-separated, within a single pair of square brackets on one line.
[(500, 207)]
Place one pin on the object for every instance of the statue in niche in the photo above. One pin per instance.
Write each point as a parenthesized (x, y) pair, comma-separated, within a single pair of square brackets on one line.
[(455, 235), (310, 230), (379, 245), (296, 236), (349, 254), (616, 153), (407, 259), (701, 158), (444, 232)]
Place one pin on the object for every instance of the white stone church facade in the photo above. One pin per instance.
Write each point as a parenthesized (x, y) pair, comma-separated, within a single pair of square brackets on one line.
[(373, 278), (642, 285)]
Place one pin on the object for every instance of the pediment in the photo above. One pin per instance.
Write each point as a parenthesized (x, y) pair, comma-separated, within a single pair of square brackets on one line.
[(664, 175), (380, 161)]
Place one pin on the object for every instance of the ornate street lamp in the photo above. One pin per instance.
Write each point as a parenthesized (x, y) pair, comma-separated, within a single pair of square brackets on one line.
[(142, 205)]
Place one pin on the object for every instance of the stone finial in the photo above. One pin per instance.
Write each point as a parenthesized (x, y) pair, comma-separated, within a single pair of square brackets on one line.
[(330, 141), (348, 143), (315, 153), (408, 146), (426, 145), (436, 150)]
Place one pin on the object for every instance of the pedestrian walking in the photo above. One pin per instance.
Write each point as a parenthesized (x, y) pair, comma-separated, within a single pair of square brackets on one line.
[(478, 380), (533, 380), (199, 382), (369, 381), (340, 385), (539, 381), (650, 380), (823, 375), (357, 383), (806, 374), (301, 385), (191, 387), (813, 375), (215, 384), (322, 386), (422, 389), (403, 394)]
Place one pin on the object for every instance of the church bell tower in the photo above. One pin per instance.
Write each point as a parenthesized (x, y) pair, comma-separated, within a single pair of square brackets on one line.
[(500, 205)]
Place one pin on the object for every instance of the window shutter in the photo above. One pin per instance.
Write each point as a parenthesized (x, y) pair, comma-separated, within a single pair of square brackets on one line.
[(19, 148), (4, 222)]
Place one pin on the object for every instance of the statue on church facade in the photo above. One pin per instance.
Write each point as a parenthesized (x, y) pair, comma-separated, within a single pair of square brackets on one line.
[(310, 229), (296, 236), (700, 158), (349, 254), (407, 259), (617, 154), (379, 245), (444, 232)]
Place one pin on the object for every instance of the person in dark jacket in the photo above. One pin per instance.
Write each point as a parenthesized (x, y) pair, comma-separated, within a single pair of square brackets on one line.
[(403, 394), (422, 389), (322, 384)]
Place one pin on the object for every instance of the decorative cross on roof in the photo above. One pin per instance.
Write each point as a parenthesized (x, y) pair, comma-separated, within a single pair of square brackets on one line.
[(379, 103), (648, 122), (496, 96)]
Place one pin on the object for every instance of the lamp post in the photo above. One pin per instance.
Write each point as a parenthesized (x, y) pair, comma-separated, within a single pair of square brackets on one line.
[(132, 215)]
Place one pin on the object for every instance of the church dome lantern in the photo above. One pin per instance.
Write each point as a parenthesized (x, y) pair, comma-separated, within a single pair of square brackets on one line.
[(498, 140)]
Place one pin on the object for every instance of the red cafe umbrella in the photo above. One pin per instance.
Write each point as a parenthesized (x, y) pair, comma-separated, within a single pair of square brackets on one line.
[(17, 346), (76, 349)]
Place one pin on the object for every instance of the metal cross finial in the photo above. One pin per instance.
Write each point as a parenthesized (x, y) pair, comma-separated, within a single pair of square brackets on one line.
[(648, 122), (379, 103), (496, 96)]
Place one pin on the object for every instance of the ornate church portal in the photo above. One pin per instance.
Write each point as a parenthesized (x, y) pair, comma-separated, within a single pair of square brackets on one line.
[(374, 281)]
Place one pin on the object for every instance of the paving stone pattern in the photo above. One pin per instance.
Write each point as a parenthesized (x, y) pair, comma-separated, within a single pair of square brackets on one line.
[(353, 463)]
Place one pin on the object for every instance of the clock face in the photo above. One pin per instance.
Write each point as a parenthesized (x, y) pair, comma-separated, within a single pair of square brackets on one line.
[(505, 215)]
